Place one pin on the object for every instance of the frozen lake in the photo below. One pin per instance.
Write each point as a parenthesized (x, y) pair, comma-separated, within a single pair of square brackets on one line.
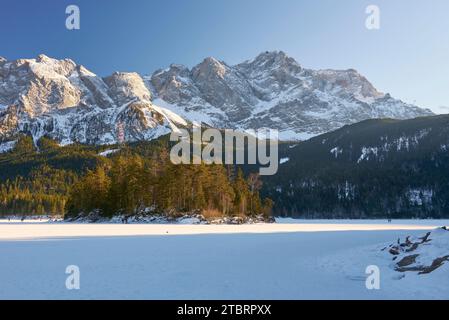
[(288, 260)]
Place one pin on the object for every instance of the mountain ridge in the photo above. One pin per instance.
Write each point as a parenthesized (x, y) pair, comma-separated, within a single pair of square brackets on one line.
[(278, 93), (67, 102)]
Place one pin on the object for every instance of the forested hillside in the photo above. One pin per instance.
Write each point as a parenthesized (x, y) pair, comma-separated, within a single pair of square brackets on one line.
[(375, 168), (37, 179), (78, 179), (372, 169)]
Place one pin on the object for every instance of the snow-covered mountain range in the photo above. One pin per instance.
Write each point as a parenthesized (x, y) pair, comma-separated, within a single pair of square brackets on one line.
[(67, 102)]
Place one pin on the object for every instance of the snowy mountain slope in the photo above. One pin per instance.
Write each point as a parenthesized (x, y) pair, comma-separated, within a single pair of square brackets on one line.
[(67, 102), (274, 91), (374, 168)]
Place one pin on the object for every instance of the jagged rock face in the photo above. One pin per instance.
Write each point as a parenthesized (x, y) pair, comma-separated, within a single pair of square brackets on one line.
[(222, 87), (125, 87), (274, 91), (270, 72), (67, 102), (174, 84), (40, 85), (9, 121)]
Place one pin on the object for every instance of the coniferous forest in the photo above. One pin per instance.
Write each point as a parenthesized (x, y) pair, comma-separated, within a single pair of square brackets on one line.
[(76, 180), (380, 168)]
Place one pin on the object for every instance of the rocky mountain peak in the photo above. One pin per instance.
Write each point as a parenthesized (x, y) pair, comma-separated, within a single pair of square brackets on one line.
[(45, 59), (179, 68), (268, 61), (51, 68), (273, 58), (175, 70), (349, 82), (209, 68)]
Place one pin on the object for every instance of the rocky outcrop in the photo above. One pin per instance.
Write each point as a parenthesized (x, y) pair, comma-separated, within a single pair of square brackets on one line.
[(422, 255)]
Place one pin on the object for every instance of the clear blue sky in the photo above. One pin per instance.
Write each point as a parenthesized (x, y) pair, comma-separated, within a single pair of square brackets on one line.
[(408, 56)]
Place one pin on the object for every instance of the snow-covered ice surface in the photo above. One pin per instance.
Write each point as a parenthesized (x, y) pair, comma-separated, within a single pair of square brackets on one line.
[(287, 260), (403, 223)]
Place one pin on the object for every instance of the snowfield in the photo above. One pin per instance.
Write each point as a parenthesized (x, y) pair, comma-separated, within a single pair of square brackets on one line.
[(292, 259)]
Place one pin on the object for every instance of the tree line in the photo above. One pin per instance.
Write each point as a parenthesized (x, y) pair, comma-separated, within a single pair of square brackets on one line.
[(48, 179), (130, 183), (44, 192)]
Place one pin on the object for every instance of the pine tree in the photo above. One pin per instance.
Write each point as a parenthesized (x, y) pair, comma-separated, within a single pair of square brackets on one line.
[(241, 193)]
